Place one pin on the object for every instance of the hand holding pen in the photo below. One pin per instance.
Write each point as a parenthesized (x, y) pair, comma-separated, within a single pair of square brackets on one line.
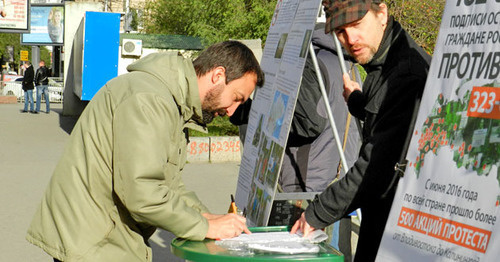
[(226, 226), (233, 209)]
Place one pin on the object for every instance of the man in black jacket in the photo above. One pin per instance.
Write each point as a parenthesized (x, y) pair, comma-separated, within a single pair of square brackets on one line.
[(42, 86), (28, 87), (397, 69)]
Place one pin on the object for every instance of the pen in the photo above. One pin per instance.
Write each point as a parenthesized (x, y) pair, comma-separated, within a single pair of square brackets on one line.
[(232, 207)]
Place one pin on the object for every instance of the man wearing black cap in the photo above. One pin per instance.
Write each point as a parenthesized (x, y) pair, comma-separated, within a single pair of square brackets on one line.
[(397, 69)]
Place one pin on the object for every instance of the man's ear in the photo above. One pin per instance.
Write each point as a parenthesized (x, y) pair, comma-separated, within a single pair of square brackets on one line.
[(383, 13), (219, 75)]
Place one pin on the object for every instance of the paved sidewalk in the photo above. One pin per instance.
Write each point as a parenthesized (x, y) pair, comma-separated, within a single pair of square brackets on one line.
[(31, 145)]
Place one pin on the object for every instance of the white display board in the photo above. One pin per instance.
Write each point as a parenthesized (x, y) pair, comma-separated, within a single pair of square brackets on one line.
[(447, 205), (283, 61)]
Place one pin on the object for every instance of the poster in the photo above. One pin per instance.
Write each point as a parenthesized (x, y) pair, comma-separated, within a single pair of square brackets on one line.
[(14, 16), (283, 61), (47, 26), (447, 205)]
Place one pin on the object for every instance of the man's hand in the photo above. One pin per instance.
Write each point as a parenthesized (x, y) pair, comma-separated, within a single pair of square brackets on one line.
[(349, 86), (225, 226), (302, 224)]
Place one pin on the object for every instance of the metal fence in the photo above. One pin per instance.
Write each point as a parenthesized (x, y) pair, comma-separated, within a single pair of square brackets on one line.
[(14, 88)]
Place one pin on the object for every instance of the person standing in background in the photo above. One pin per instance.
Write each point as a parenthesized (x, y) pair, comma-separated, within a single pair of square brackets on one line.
[(28, 87), (42, 86)]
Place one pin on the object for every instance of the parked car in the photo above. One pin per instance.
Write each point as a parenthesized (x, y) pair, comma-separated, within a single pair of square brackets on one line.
[(13, 87)]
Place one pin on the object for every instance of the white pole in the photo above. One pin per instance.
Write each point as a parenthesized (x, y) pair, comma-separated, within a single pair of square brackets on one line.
[(340, 55), (328, 108), (327, 103)]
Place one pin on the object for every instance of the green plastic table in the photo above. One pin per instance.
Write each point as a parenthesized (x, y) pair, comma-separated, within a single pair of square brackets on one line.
[(207, 250)]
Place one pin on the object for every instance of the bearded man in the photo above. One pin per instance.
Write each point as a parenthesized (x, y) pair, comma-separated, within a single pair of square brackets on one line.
[(119, 177)]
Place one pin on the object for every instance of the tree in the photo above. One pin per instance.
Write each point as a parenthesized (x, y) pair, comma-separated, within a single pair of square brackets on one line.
[(13, 39), (421, 19), (219, 20), (213, 21)]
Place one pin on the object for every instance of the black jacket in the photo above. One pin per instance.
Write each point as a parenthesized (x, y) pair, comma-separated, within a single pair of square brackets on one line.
[(28, 78), (42, 76), (395, 82)]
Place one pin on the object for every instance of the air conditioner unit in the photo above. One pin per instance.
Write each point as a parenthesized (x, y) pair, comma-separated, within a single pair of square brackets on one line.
[(132, 47)]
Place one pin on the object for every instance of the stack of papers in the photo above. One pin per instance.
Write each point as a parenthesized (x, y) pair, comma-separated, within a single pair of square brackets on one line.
[(276, 242)]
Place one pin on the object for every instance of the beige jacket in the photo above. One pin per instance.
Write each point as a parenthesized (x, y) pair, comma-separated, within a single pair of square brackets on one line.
[(119, 177)]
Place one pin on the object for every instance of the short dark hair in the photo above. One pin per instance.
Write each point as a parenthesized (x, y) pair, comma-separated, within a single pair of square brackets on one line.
[(234, 56)]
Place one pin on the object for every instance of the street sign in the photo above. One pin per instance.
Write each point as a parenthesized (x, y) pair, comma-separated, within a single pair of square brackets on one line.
[(24, 55)]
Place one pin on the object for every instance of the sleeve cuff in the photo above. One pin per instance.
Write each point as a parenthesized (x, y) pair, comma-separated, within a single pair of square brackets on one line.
[(356, 104), (316, 217)]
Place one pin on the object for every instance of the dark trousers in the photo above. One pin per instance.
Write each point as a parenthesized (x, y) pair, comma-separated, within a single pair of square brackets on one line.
[(345, 228), (371, 230)]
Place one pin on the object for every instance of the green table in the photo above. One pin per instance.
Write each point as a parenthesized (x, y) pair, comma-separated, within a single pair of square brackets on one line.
[(207, 250)]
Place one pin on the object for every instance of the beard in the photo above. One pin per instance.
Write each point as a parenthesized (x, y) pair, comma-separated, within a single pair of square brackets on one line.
[(211, 103), (366, 58)]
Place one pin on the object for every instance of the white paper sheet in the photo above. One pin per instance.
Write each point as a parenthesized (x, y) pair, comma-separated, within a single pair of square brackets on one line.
[(276, 242)]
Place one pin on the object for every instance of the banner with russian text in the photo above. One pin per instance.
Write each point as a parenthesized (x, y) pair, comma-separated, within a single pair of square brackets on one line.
[(447, 205)]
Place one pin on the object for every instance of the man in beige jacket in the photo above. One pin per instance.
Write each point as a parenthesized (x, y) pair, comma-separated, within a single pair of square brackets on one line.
[(119, 177)]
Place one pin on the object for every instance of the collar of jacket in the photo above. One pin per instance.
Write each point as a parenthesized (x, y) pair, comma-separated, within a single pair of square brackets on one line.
[(391, 34), (178, 75)]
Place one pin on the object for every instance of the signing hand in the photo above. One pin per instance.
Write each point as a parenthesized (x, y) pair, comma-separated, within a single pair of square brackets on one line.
[(302, 224), (226, 226), (349, 86)]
